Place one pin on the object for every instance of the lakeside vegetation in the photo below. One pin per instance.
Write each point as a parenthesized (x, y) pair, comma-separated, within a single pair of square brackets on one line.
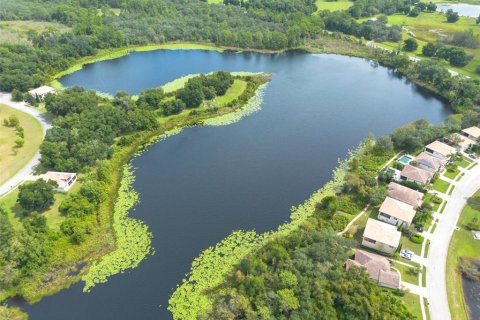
[(19, 141), (462, 246), (86, 235)]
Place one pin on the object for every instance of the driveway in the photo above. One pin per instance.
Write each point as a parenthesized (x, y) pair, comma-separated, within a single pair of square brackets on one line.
[(437, 254), (19, 177)]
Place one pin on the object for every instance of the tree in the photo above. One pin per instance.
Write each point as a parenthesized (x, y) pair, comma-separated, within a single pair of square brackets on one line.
[(17, 95), (410, 45), (414, 12), (377, 195), (478, 19), (36, 196), (429, 50), (383, 145), (431, 7), (452, 16)]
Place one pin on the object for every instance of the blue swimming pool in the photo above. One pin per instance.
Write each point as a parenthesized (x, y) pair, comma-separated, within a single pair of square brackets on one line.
[(405, 159)]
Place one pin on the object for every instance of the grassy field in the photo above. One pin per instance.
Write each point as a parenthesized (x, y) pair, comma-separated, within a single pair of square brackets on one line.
[(463, 163), (333, 5), (462, 245), (409, 275), (17, 31), (452, 173), (431, 27), (232, 93), (441, 185), (11, 163)]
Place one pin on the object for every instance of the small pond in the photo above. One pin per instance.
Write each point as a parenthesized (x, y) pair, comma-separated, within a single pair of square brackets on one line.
[(463, 9)]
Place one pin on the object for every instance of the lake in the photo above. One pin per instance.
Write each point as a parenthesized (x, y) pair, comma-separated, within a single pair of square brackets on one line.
[(463, 9), (198, 186)]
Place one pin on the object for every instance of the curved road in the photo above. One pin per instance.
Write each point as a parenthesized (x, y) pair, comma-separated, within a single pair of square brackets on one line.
[(19, 177), (437, 254)]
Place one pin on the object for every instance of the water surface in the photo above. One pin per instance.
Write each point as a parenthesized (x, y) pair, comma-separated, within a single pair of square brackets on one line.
[(198, 186), (463, 9)]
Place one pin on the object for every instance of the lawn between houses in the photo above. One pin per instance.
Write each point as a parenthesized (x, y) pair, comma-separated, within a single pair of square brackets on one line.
[(462, 245), (13, 159)]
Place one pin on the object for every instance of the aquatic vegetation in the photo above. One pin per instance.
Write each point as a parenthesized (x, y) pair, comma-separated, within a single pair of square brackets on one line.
[(132, 237), (208, 271), (253, 105), (213, 265)]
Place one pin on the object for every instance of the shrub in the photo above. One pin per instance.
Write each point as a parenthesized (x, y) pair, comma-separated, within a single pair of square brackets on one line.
[(410, 45), (416, 238), (452, 16), (429, 50)]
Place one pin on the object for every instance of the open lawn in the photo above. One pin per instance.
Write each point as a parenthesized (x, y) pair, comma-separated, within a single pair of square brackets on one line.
[(431, 27), (441, 185), (451, 173), (13, 159), (407, 244), (463, 163), (333, 5), (412, 302), (232, 93), (462, 245), (17, 31), (409, 274)]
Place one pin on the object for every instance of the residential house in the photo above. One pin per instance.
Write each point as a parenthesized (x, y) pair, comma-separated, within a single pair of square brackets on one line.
[(459, 142), (41, 92), (381, 236), (440, 150), (404, 194), (377, 267), (472, 133), (64, 180), (430, 163), (414, 174), (396, 212)]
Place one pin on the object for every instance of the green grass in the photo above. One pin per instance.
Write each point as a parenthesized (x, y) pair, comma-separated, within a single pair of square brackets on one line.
[(407, 244), (333, 5), (452, 173), (409, 274), (17, 31), (443, 206), (441, 185), (232, 93), (428, 198), (8, 203), (11, 162), (412, 302), (433, 228), (427, 247), (430, 27), (462, 245), (424, 276), (463, 163), (451, 190), (427, 309)]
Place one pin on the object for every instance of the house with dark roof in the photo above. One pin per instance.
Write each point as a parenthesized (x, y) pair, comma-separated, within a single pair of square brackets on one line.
[(430, 163)]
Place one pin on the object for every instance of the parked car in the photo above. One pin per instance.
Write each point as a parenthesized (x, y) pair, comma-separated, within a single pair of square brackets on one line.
[(472, 156), (419, 228), (406, 254)]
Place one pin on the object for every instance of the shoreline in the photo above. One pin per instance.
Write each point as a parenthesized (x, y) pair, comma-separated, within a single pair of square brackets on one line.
[(121, 158)]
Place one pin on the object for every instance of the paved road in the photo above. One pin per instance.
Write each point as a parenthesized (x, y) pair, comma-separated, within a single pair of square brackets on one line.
[(437, 254), (5, 98)]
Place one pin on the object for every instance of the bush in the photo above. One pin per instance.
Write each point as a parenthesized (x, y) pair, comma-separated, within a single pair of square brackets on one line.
[(416, 238), (429, 50), (410, 45), (452, 16), (17, 95), (37, 196)]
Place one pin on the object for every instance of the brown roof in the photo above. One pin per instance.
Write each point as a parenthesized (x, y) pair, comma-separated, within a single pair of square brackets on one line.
[(416, 174), (404, 194), (382, 232), (472, 131), (398, 209), (441, 148), (462, 141), (430, 161), (378, 267)]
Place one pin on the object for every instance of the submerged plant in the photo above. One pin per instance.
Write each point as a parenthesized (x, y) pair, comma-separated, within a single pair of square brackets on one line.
[(132, 237)]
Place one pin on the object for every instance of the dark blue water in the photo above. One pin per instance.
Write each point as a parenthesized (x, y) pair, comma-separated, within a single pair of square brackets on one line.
[(198, 186)]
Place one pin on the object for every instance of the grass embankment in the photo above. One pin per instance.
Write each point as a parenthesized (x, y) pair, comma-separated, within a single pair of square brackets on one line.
[(432, 27), (14, 159), (16, 32), (104, 236), (409, 274), (462, 245), (333, 5)]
